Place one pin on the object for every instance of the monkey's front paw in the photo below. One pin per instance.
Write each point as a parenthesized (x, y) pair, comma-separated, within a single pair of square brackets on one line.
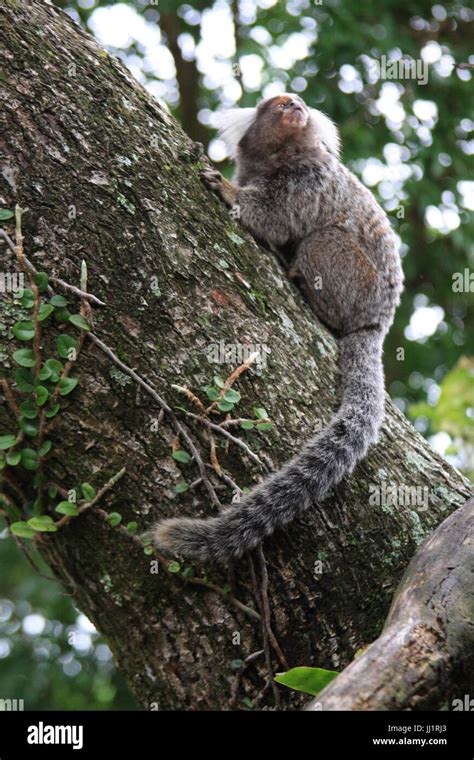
[(212, 178)]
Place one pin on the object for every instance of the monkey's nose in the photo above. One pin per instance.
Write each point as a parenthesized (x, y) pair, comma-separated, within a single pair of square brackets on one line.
[(294, 105)]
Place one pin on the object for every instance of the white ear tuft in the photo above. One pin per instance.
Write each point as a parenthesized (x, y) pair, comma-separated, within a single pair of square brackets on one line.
[(233, 124), (326, 130)]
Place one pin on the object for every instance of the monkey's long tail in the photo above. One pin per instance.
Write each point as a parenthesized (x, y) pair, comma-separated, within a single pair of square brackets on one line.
[(303, 481)]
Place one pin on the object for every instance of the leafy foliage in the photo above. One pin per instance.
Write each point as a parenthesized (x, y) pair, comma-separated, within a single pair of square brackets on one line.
[(454, 412)]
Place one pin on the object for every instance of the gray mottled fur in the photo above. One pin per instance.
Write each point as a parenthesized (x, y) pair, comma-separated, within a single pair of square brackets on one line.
[(295, 195)]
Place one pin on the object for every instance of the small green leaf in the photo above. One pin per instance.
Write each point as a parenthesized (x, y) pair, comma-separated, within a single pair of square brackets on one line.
[(78, 321), (7, 441), (218, 381), (67, 508), (262, 426), (248, 703), (29, 459), (45, 448), (44, 373), (181, 487), (247, 425), (55, 368), (181, 456), (29, 428), (41, 280), (236, 664), (14, 458), (22, 530), (52, 411), (309, 680), (232, 396), (42, 395), (66, 385), (115, 519), (260, 413), (88, 491), (174, 567), (62, 315), (24, 379), (148, 550), (58, 301), (225, 406), (24, 330), (188, 572), (132, 527), (52, 492), (5, 214), (24, 357), (28, 299), (29, 410), (64, 343), (44, 311), (44, 524), (211, 392)]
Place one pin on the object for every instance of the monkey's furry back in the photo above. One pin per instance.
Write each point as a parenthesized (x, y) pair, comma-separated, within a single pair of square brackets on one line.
[(347, 265)]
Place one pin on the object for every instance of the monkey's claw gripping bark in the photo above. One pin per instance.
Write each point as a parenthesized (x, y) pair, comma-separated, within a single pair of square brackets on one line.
[(211, 178)]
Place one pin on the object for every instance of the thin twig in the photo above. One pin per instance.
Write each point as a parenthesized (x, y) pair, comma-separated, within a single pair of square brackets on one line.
[(227, 479), (266, 606), (8, 241), (9, 396), (234, 698), (229, 436), (81, 293), (269, 683), (191, 396), (213, 455), (264, 629), (23, 548), (235, 422), (242, 607), (88, 504)]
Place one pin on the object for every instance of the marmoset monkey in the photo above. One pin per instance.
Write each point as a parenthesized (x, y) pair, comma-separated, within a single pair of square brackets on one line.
[(292, 192)]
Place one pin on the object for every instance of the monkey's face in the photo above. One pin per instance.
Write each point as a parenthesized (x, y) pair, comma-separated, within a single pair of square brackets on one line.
[(280, 124), (285, 114)]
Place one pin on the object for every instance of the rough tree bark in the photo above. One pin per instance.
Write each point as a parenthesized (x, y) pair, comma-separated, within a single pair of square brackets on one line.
[(79, 134)]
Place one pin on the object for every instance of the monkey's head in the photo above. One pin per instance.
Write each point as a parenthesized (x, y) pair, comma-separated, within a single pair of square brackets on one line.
[(277, 123), (283, 116)]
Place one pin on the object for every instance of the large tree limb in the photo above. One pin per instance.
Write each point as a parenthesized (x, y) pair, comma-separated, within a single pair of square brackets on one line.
[(425, 655)]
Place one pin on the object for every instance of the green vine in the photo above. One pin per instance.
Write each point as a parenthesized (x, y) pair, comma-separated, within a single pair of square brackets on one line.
[(34, 505), (40, 382)]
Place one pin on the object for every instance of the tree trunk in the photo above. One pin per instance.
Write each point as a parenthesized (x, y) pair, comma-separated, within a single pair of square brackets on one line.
[(106, 175)]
